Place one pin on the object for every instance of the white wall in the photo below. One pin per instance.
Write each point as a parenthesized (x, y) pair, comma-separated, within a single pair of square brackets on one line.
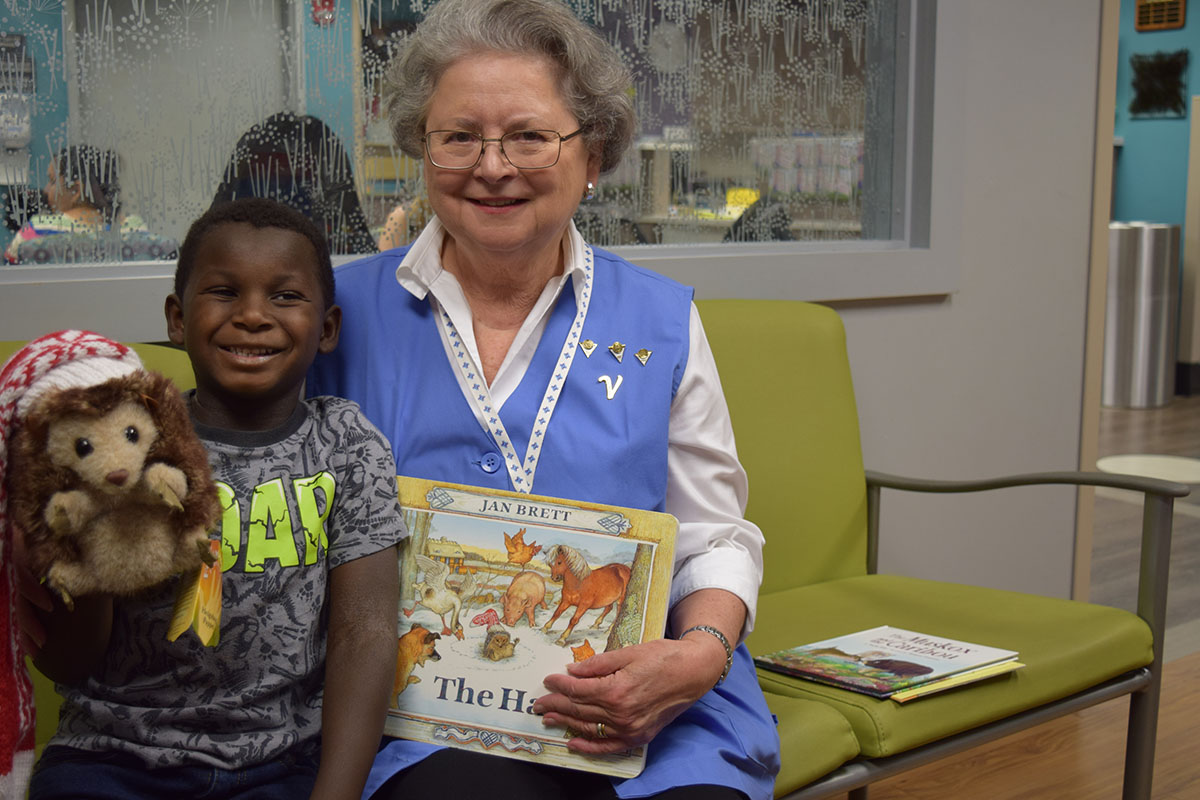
[(989, 380)]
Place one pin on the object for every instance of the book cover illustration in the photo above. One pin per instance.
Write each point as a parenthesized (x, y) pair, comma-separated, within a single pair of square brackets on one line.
[(955, 680), (498, 590), (882, 661)]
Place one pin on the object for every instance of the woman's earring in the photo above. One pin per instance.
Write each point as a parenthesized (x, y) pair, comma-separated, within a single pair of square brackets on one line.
[(590, 194)]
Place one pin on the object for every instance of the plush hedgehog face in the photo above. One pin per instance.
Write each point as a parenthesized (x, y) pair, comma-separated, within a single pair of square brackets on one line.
[(107, 452)]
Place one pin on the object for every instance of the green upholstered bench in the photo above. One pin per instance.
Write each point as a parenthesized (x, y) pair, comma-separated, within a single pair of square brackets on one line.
[(818, 730), (786, 376), (1106, 643)]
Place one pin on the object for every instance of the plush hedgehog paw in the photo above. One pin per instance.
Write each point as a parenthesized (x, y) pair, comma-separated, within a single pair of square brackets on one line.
[(67, 512), (205, 550), (54, 580), (168, 483)]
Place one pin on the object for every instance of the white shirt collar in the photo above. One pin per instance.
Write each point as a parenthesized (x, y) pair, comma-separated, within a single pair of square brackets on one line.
[(421, 274)]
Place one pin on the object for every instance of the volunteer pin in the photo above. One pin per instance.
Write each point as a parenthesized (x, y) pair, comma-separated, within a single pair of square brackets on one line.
[(610, 388)]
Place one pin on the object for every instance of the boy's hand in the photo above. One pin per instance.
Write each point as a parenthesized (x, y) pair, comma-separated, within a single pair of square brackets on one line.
[(31, 596)]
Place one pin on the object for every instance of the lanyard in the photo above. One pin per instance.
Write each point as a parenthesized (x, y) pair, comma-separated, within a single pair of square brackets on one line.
[(480, 398)]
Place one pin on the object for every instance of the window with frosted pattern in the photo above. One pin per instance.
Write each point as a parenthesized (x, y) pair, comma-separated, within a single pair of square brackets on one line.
[(760, 120)]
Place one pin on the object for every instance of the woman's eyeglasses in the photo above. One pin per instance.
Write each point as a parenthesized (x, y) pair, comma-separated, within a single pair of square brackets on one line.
[(523, 149)]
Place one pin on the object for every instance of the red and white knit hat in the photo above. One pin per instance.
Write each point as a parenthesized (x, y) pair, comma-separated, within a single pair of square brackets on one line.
[(62, 360)]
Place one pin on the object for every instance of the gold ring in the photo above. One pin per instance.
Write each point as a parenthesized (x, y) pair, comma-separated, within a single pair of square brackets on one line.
[(600, 734)]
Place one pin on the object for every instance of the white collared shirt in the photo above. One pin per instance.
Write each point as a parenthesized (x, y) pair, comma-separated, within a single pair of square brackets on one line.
[(706, 485)]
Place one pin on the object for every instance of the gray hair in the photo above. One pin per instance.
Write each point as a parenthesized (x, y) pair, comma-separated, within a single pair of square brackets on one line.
[(593, 81)]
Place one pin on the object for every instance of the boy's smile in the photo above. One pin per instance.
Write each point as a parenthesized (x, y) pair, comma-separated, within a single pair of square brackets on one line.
[(252, 319)]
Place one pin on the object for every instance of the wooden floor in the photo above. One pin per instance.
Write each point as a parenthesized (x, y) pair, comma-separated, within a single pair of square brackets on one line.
[(1077, 757), (1172, 430), (1080, 757)]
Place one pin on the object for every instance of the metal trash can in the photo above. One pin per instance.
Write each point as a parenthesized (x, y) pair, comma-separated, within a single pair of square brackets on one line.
[(1140, 330)]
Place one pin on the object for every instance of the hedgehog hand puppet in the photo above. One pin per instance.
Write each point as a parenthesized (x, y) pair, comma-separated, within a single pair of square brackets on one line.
[(105, 474)]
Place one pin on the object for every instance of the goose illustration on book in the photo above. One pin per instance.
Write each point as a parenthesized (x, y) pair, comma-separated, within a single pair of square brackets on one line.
[(440, 597)]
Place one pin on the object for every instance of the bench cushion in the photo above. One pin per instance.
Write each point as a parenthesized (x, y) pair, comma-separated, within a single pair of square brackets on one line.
[(814, 736), (48, 701), (1104, 642)]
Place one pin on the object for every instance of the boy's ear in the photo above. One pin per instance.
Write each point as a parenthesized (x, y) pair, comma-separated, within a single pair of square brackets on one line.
[(173, 308), (331, 328)]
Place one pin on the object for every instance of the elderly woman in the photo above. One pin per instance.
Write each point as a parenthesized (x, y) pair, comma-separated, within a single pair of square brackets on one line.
[(479, 352)]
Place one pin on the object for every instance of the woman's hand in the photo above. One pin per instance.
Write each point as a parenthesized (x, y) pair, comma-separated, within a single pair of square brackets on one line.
[(634, 692)]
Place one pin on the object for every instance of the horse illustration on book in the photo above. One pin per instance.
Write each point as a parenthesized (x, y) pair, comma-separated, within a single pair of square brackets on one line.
[(584, 587)]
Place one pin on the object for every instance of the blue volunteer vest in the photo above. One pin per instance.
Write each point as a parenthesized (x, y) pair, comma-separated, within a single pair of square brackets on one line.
[(391, 361)]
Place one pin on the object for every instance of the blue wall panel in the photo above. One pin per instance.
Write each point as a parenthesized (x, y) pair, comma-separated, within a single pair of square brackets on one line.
[(1151, 166)]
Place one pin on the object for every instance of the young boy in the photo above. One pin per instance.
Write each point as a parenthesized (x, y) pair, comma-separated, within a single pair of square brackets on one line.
[(308, 555)]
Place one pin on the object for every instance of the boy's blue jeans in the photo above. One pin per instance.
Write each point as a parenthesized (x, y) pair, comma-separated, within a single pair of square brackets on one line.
[(64, 773)]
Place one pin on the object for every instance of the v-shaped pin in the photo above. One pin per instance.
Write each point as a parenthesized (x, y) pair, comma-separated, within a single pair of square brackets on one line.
[(610, 388)]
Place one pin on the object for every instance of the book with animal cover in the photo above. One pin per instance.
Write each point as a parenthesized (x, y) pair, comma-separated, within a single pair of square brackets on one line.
[(955, 680), (499, 589), (885, 660)]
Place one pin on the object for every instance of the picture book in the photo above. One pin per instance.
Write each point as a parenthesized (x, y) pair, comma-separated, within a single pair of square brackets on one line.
[(958, 679), (885, 660), (500, 589)]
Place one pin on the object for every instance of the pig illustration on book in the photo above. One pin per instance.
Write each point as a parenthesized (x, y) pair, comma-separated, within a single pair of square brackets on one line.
[(526, 592)]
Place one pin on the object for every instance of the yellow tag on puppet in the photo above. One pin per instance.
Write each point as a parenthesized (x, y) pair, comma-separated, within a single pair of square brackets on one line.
[(198, 604)]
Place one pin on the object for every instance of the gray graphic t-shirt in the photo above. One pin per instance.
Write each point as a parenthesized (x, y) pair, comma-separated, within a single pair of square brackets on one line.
[(297, 502)]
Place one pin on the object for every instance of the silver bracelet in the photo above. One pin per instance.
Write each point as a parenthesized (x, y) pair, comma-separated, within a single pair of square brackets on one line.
[(724, 643)]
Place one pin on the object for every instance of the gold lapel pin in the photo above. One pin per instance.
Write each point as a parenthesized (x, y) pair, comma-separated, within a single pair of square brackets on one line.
[(643, 355), (618, 351), (587, 346)]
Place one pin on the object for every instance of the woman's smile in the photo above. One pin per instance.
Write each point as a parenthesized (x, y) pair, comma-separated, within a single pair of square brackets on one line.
[(498, 202)]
